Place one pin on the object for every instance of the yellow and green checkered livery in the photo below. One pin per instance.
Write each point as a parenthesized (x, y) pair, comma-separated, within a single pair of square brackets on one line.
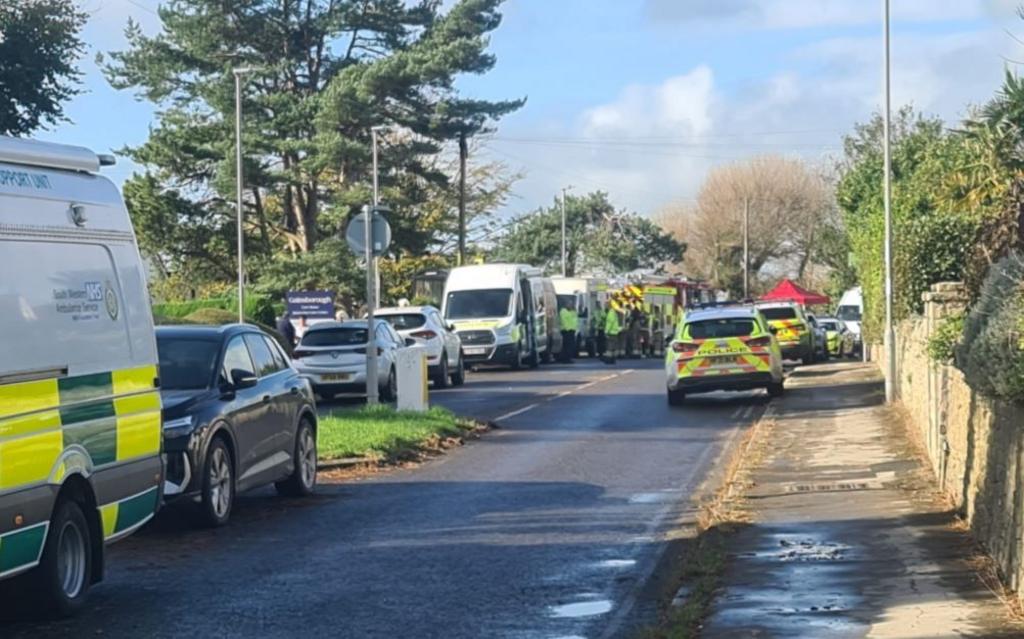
[(104, 428)]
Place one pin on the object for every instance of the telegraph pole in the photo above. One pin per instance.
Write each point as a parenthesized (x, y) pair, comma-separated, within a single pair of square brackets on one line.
[(890, 336), (463, 156), (746, 248), (564, 251)]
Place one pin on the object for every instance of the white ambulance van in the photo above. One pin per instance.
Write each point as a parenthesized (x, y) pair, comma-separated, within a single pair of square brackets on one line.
[(498, 312), (80, 429)]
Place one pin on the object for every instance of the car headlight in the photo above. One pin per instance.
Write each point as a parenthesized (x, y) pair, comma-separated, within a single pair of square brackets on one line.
[(504, 330), (178, 425)]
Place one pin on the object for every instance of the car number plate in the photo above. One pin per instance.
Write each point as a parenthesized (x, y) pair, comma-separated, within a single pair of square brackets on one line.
[(476, 350), (335, 377)]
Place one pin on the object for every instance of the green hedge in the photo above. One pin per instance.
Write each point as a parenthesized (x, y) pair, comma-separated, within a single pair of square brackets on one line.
[(991, 353), (259, 308)]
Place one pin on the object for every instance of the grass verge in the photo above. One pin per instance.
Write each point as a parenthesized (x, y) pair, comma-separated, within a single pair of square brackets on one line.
[(381, 433)]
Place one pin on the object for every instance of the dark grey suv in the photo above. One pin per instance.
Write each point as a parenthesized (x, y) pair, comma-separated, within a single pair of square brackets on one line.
[(236, 416)]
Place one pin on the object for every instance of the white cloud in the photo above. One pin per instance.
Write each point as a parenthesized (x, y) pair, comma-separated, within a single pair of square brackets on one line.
[(654, 143), (801, 14)]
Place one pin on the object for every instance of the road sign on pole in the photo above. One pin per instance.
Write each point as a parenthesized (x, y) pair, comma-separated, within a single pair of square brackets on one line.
[(380, 232)]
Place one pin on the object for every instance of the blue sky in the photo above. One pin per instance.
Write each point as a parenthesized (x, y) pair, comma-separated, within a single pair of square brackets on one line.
[(643, 97)]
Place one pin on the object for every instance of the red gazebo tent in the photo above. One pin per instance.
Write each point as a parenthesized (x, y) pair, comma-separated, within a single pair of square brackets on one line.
[(790, 291)]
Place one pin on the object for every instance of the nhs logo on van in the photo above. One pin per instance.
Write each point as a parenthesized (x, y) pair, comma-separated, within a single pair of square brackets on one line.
[(94, 291)]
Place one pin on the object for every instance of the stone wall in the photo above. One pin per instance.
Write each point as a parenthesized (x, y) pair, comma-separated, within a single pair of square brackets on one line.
[(975, 445)]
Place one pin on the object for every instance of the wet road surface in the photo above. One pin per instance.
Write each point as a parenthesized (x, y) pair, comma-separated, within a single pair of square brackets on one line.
[(547, 527)]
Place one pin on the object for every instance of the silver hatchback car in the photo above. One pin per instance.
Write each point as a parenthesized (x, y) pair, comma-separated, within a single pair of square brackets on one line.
[(332, 355)]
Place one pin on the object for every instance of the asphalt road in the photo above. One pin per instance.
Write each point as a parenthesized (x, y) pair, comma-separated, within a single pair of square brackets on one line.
[(547, 527)]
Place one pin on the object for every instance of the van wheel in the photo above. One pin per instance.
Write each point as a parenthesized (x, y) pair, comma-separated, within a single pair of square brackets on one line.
[(218, 488), (64, 575), (302, 481), (459, 376), (441, 378), (517, 359), (776, 389)]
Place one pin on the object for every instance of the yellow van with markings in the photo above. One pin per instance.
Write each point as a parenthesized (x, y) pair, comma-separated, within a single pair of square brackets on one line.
[(726, 348), (80, 428)]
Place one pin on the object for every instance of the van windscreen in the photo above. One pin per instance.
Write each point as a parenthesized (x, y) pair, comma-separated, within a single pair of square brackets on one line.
[(849, 313), (478, 304)]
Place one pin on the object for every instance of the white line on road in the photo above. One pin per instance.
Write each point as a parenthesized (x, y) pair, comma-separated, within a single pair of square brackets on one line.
[(524, 409), (515, 412)]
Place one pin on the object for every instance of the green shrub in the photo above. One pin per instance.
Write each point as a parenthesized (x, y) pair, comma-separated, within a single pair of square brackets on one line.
[(991, 353), (942, 344), (260, 308)]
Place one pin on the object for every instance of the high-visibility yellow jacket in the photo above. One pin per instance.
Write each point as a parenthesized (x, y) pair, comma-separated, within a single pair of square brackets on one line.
[(568, 320), (611, 323), (598, 321)]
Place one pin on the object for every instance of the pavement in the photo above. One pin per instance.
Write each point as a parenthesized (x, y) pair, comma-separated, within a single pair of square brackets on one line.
[(848, 539), (550, 526)]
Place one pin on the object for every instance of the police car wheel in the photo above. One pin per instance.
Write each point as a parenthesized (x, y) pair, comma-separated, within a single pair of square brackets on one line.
[(776, 389), (65, 570), (302, 481), (676, 397), (218, 487)]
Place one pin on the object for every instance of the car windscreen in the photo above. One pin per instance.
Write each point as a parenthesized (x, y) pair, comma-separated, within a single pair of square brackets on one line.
[(849, 313), (778, 312), (186, 364), (343, 336), (722, 327), (405, 321), (478, 304), (828, 325)]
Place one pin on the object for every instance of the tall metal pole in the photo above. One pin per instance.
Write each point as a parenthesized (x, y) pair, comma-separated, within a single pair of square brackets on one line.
[(746, 248), (463, 155), (563, 234), (238, 195), (890, 337), (372, 387)]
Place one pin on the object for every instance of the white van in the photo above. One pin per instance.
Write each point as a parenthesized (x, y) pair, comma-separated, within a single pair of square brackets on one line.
[(80, 426), (498, 312), (850, 311)]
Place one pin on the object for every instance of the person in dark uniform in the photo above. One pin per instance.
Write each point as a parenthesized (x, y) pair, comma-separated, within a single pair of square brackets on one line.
[(286, 329)]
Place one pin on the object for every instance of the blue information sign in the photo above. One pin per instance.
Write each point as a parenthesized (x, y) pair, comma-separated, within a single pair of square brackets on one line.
[(311, 304)]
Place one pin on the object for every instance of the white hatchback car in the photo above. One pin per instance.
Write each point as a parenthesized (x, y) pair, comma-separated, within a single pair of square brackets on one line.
[(332, 355), (443, 345)]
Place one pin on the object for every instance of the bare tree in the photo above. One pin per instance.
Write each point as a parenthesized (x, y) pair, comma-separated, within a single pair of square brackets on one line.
[(788, 202)]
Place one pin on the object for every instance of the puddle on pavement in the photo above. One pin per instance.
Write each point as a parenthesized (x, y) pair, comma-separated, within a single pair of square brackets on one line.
[(616, 563), (803, 549), (654, 498), (590, 608)]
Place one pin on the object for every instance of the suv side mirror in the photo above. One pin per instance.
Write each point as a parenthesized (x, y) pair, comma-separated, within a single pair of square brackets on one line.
[(774, 330), (451, 327), (241, 379)]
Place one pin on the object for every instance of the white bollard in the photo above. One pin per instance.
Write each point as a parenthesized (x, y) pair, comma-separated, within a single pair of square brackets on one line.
[(411, 369)]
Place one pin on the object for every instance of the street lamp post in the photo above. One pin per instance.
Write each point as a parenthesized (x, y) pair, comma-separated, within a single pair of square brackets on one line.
[(564, 256), (239, 72), (890, 337), (372, 390)]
